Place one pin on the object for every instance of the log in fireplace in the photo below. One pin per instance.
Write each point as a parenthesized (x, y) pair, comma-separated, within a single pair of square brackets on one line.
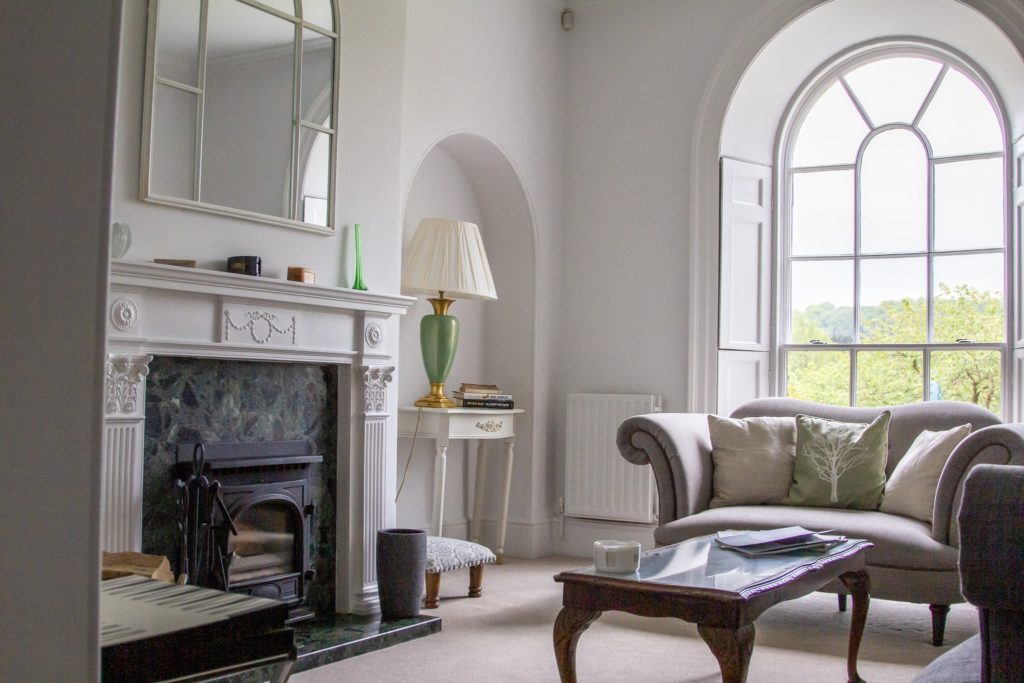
[(246, 518)]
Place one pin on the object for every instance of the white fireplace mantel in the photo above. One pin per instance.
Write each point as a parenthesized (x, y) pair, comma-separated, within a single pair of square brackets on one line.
[(156, 309)]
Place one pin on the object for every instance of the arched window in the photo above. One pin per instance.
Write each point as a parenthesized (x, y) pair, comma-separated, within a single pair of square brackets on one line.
[(893, 265)]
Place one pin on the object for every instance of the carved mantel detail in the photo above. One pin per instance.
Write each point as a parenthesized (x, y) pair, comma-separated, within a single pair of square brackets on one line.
[(125, 375), (374, 335), (376, 380), (263, 322), (124, 314)]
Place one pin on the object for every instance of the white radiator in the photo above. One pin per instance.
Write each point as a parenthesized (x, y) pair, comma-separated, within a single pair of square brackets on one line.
[(599, 483)]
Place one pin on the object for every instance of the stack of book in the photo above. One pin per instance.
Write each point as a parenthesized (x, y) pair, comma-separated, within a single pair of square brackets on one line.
[(482, 396)]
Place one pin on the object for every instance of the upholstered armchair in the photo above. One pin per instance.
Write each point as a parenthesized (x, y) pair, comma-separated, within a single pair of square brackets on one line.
[(991, 567)]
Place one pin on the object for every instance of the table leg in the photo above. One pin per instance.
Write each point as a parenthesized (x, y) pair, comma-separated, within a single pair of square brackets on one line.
[(732, 648), (569, 624), (478, 491), (440, 463), (503, 520), (859, 585)]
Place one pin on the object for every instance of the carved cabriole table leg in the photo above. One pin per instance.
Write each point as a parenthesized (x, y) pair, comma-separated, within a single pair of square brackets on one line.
[(569, 624), (859, 585), (732, 648)]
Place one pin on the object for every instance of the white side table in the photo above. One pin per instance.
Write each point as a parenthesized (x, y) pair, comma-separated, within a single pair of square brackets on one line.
[(445, 424)]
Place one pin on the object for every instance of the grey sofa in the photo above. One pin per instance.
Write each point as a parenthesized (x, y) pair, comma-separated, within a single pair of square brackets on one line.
[(992, 536), (912, 561)]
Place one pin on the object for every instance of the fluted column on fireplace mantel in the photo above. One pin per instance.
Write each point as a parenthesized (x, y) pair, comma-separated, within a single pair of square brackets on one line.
[(369, 509), (124, 431)]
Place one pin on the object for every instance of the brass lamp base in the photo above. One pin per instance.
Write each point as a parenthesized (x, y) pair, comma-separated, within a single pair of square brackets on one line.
[(436, 398)]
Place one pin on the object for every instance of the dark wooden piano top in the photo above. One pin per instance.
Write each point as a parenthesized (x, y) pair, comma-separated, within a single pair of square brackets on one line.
[(153, 631)]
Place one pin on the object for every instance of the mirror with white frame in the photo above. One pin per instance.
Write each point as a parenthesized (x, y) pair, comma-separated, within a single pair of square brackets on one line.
[(240, 114)]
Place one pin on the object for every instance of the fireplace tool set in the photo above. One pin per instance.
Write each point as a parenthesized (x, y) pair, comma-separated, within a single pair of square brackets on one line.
[(203, 559)]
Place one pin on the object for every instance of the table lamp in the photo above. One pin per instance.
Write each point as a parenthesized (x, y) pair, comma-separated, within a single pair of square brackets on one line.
[(447, 257)]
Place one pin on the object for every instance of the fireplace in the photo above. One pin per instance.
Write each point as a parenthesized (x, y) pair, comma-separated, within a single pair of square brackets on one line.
[(266, 490), (163, 311)]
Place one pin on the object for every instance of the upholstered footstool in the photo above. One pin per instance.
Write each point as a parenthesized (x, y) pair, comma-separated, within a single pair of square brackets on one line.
[(446, 554)]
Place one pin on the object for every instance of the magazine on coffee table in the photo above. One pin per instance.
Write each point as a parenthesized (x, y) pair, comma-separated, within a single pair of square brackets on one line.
[(772, 541)]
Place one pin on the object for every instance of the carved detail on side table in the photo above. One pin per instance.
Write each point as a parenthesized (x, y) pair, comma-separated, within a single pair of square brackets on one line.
[(490, 426)]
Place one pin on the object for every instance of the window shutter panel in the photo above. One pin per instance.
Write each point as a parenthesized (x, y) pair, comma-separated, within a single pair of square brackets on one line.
[(745, 282)]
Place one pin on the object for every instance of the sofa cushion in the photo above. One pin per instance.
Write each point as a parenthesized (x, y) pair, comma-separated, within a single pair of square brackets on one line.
[(839, 464), (899, 541), (910, 489), (765, 445)]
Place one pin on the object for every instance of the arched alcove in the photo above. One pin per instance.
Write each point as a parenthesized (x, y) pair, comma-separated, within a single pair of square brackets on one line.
[(466, 176), (742, 108)]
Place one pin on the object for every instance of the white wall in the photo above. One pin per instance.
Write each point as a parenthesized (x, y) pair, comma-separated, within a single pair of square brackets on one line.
[(636, 73), (492, 69), (58, 63)]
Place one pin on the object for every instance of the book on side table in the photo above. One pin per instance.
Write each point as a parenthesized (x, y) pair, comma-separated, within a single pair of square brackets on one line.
[(482, 396), (774, 541)]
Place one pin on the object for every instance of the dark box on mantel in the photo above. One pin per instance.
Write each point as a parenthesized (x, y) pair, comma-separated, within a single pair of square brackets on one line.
[(245, 265)]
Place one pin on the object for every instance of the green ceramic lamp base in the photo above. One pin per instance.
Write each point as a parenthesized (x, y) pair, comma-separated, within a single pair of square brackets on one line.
[(439, 337)]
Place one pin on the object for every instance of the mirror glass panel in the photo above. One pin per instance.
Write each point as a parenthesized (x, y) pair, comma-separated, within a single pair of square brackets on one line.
[(249, 83), (318, 12), (315, 174), (173, 166), (317, 78), (231, 130), (178, 42)]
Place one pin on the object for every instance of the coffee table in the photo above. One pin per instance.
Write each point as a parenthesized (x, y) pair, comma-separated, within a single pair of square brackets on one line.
[(720, 590)]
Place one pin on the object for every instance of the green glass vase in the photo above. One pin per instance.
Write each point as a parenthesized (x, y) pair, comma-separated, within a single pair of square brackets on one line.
[(357, 282)]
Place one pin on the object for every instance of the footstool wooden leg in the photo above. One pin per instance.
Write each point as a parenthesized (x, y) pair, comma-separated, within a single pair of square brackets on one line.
[(476, 580), (431, 601)]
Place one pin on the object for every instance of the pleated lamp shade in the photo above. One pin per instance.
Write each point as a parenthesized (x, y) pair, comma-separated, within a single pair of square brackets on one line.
[(446, 255)]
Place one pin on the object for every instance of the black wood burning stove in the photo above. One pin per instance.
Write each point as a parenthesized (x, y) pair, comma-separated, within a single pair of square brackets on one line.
[(247, 517)]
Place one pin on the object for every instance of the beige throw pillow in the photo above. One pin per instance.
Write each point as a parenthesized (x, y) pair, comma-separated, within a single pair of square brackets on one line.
[(910, 490), (753, 459)]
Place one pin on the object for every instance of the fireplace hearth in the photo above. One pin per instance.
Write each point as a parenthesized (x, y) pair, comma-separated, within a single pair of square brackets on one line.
[(256, 537)]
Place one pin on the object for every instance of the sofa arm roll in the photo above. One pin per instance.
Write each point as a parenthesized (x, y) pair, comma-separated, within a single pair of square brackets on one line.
[(992, 536), (677, 446), (996, 445)]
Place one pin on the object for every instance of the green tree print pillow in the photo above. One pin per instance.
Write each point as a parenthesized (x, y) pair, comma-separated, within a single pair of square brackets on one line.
[(839, 464)]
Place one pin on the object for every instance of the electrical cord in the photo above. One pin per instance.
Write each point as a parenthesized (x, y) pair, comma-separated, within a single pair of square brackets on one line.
[(408, 461)]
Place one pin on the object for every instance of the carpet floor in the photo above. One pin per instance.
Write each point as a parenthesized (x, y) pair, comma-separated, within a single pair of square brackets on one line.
[(506, 636)]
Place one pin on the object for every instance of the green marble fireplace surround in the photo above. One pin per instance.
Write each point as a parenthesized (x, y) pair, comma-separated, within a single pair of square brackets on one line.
[(208, 400)]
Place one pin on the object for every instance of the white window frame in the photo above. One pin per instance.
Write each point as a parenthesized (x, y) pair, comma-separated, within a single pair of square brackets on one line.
[(798, 109)]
